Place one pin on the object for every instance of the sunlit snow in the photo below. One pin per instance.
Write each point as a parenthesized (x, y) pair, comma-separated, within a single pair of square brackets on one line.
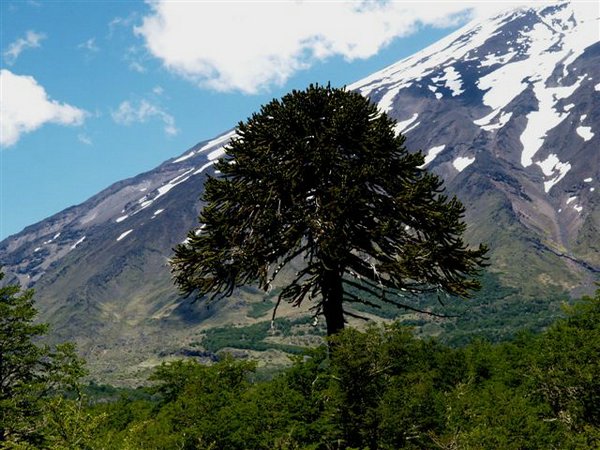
[(219, 140), (462, 162), (387, 101), (553, 168), (51, 240), (404, 124), (587, 180), (571, 199), (585, 132), (216, 154), (421, 64), (492, 59), (453, 81), (503, 120), (204, 167), (122, 218), (412, 127), (432, 153), (122, 235), (77, 243), (184, 157), (544, 119)]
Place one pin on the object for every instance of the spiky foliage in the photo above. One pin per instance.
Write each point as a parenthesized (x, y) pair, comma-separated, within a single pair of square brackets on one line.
[(320, 175)]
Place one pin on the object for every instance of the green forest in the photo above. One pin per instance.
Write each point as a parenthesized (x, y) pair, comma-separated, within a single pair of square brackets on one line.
[(379, 388)]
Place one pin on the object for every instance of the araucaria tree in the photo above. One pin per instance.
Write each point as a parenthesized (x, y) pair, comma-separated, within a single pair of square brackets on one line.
[(321, 177)]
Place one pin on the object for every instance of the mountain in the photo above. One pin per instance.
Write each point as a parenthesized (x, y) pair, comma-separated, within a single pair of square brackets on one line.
[(506, 110)]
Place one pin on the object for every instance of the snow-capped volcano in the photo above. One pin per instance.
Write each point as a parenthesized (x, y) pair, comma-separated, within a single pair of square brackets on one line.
[(494, 63), (506, 110)]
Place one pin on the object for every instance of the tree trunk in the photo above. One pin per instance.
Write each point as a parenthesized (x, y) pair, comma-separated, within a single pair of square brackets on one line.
[(333, 295)]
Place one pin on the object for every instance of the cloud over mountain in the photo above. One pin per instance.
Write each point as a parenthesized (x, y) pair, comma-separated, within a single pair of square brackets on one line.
[(195, 39), (129, 113)]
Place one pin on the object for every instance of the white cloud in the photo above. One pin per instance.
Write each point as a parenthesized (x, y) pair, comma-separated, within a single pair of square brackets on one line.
[(25, 106), (84, 139), (129, 113), (249, 46), (31, 40), (135, 56), (121, 22), (89, 45), (137, 67)]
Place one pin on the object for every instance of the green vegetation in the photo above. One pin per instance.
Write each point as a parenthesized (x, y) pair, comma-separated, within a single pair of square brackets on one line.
[(34, 378), (252, 337), (381, 388), (321, 176), (261, 309)]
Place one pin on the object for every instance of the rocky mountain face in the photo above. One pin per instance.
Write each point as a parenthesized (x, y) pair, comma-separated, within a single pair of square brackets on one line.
[(506, 110)]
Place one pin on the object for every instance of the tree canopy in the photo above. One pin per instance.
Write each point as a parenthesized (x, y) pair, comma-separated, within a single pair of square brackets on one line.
[(30, 373), (321, 177)]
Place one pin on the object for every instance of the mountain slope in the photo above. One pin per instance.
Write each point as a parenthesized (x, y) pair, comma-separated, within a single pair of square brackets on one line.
[(506, 110)]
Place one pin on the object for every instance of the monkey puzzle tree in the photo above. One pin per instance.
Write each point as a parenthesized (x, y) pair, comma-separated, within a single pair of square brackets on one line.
[(320, 176)]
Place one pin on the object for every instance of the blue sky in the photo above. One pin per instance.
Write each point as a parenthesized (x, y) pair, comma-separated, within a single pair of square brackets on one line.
[(96, 91)]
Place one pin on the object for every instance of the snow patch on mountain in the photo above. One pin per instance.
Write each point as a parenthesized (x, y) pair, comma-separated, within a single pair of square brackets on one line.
[(74, 246), (492, 59), (432, 153), (551, 42), (462, 162), (554, 169), (405, 124), (123, 235), (452, 81), (545, 118), (485, 124), (52, 240), (204, 167), (453, 47), (216, 154), (223, 139), (166, 188), (584, 131), (387, 101)]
